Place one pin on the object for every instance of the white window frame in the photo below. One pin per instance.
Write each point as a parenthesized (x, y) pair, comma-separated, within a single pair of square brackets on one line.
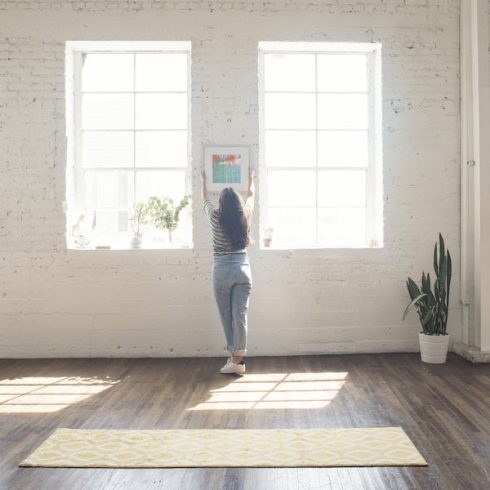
[(374, 190), (75, 172)]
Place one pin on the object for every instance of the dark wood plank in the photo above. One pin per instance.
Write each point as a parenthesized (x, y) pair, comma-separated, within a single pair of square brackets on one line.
[(444, 409)]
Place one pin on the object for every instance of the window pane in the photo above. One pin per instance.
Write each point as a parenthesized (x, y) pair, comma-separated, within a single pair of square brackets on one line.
[(343, 148), (161, 148), (107, 149), (342, 72), (342, 188), (111, 221), (161, 183), (291, 188), (161, 111), (341, 111), (159, 72), (107, 72), (107, 111), (290, 111), (109, 188), (290, 148), (342, 226), (292, 226), (289, 72)]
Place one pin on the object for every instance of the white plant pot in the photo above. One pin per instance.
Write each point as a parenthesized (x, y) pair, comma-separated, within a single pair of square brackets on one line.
[(135, 242), (433, 348)]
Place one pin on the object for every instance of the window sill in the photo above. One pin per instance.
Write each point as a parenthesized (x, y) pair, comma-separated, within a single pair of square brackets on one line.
[(282, 247), (126, 246), (127, 249)]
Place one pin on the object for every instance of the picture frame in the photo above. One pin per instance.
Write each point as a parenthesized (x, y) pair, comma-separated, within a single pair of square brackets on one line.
[(226, 166)]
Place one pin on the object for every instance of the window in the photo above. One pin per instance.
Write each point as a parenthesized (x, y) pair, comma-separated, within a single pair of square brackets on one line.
[(320, 144), (128, 140)]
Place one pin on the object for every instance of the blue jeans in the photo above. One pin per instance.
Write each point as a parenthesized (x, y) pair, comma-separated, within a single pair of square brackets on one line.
[(232, 282)]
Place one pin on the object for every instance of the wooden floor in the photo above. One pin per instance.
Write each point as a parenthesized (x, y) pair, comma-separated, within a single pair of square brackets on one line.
[(445, 410)]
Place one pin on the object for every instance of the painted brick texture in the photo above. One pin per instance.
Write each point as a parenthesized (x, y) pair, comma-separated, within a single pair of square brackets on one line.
[(58, 302)]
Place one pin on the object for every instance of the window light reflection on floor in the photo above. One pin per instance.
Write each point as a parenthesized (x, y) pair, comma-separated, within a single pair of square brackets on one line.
[(276, 391), (48, 394)]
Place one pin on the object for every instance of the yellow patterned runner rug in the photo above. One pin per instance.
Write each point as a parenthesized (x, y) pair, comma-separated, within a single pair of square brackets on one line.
[(383, 446)]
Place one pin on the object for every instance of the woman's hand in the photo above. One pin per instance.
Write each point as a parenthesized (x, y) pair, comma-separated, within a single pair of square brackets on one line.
[(204, 190), (251, 185)]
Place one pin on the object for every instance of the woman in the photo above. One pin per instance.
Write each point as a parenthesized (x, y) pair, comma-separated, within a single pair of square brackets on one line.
[(232, 279)]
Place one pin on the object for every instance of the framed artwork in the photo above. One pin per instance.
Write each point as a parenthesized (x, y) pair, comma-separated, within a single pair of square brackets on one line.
[(226, 166)]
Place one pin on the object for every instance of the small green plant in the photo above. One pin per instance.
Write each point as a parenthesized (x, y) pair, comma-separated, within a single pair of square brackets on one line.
[(433, 306), (164, 214), (140, 218)]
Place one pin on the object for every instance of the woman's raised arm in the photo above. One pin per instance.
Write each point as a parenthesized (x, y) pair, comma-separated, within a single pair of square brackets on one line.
[(251, 189), (204, 189)]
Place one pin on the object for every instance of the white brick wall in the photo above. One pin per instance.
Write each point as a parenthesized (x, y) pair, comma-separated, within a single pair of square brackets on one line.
[(55, 302)]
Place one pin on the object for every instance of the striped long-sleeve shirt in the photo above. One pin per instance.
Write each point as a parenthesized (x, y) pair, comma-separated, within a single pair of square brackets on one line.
[(221, 243)]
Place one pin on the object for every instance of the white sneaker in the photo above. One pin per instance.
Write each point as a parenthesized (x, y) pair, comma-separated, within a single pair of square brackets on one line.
[(231, 368)]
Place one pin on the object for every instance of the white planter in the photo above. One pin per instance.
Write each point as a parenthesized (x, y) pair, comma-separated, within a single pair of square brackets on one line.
[(433, 348), (135, 242)]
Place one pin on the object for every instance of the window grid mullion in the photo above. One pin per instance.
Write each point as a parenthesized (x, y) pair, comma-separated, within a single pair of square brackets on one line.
[(134, 131), (371, 169), (128, 169), (323, 130), (80, 187), (316, 150), (320, 168), (313, 92), (128, 130), (132, 92), (134, 51), (323, 206)]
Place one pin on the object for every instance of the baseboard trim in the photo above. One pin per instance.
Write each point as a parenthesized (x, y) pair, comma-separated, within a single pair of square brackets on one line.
[(471, 353)]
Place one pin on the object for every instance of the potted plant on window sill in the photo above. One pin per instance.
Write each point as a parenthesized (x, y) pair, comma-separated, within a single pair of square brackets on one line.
[(433, 307), (140, 218), (267, 239), (164, 214)]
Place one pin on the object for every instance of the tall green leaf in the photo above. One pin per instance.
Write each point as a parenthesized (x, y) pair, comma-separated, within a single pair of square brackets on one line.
[(442, 276), (413, 289), (427, 319), (436, 268), (412, 303), (430, 294), (449, 274)]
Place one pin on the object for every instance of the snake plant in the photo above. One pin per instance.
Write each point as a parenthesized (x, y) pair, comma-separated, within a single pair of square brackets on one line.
[(432, 305)]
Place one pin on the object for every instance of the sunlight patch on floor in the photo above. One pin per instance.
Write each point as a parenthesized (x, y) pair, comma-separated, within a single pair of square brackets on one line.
[(48, 394), (276, 391)]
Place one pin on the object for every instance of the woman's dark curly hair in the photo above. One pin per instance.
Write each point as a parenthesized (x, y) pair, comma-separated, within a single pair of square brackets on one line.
[(234, 219)]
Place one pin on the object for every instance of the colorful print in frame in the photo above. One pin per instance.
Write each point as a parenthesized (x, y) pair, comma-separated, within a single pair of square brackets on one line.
[(226, 166)]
